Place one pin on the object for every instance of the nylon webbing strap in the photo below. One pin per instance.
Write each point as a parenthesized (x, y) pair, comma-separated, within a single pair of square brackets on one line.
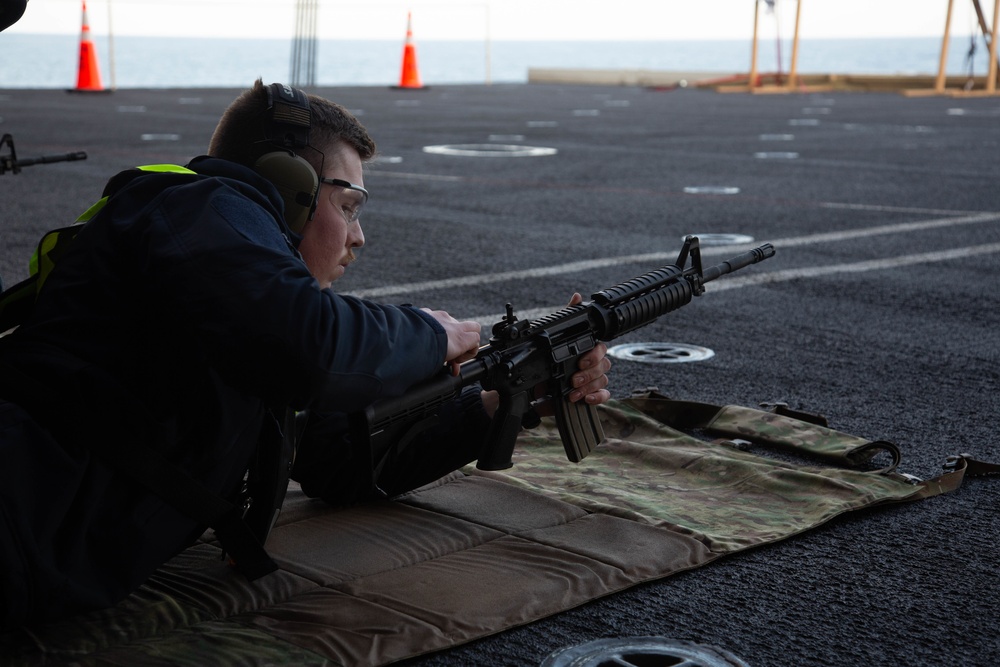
[(127, 451), (957, 469)]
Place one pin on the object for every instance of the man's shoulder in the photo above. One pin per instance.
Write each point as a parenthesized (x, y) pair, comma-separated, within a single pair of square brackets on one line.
[(202, 168)]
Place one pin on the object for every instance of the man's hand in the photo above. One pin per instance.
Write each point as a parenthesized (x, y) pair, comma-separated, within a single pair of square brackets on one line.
[(463, 337), (590, 381)]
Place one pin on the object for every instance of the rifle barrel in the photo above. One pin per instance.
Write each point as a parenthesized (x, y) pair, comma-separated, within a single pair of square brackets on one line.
[(49, 159), (758, 254)]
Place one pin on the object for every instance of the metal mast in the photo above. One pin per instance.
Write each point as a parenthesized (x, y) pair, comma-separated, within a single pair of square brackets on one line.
[(304, 43)]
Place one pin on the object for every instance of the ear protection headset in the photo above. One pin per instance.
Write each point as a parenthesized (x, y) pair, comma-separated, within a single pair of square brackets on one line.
[(287, 128)]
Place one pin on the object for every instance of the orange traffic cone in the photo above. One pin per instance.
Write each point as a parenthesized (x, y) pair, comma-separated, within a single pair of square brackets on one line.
[(88, 76), (409, 77)]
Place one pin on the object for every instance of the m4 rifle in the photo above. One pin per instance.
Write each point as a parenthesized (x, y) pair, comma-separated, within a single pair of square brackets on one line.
[(525, 357)]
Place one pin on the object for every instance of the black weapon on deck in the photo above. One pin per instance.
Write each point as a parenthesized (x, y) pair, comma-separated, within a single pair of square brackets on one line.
[(10, 162)]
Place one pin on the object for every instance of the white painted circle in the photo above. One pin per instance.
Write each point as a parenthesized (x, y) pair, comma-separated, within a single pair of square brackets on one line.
[(776, 155), (490, 150), (711, 190), (661, 353), (723, 239)]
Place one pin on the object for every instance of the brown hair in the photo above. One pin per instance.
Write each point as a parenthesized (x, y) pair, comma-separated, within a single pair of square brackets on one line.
[(239, 136)]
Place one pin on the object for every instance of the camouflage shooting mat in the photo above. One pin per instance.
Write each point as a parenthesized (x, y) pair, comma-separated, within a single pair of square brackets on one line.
[(476, 553)]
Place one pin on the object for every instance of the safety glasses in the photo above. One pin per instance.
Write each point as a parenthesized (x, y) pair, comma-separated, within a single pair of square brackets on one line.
[(355, 199)]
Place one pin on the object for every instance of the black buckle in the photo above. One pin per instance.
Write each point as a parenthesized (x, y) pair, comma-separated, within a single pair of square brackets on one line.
[(951, 463)]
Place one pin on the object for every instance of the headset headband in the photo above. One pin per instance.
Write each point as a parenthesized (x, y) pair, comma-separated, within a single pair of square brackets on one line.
[(288, 117)]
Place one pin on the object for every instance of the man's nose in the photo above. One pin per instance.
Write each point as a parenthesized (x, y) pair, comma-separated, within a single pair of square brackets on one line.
[(357, 236)]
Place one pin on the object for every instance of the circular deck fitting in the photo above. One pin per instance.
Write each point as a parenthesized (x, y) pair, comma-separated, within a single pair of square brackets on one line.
[(776, 155), (723, 239), (640, 651), (489, 150), (660, 353), (711, 190)]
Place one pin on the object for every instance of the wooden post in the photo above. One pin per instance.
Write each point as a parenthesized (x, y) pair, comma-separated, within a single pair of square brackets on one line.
[(795, 46), (991, 78), (939, 84)]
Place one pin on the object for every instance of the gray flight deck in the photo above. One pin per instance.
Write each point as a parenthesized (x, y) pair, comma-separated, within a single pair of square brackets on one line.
[(880, 310)]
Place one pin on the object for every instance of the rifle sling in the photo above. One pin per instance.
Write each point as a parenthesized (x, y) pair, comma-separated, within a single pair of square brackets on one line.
[(957, 468)]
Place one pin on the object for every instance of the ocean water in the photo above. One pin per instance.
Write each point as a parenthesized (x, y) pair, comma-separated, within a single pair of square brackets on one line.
[(50, 61)]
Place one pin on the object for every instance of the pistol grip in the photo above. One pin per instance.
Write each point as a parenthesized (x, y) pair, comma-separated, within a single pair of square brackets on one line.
[(579, 428), (506, 424)]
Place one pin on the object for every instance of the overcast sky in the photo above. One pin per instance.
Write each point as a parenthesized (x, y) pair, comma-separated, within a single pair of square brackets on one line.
[(504, 19)]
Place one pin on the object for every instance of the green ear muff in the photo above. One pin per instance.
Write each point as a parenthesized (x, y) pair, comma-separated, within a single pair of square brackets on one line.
[(297, 183)]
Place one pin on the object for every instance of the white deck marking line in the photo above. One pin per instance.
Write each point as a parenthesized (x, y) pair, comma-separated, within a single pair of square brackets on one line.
[(898, 228), (856, 267), (796, 274), (650, 258), (895, 209), (419, 177)]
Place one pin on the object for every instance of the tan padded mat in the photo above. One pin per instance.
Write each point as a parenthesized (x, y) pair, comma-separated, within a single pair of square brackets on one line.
[(468, 556)]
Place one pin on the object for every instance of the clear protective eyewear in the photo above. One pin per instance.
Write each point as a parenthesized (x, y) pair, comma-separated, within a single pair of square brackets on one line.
[(351, 211)]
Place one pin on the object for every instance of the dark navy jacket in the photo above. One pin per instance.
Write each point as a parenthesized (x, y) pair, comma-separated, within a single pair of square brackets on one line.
[(183, 307)]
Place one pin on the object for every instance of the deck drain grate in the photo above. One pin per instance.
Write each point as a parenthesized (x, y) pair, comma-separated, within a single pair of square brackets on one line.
[(642, 652), (661, 353)]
